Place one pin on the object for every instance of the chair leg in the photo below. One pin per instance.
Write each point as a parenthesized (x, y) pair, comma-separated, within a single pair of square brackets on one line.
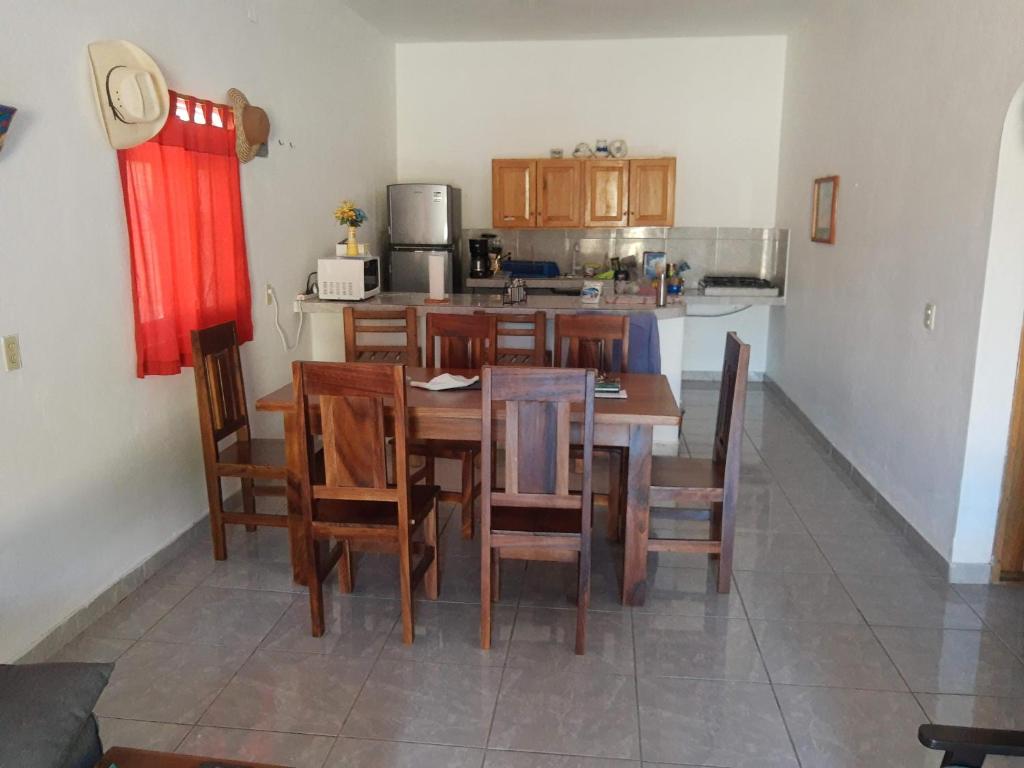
[(315, 585), (345, 568), (485, 595), (582, 600), (217, 533), (495, 575), (715, 534), (728, 530), (405, 588), (614, 494), (468, 477), (248, 501), (431, 578)]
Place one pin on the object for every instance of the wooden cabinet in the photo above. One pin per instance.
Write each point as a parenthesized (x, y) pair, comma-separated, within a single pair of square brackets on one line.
[(606, 193), (558, 193), (595, 192), (652, 192), (514, 193)]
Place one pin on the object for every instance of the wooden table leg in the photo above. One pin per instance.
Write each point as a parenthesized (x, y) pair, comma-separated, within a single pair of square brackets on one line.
[(296, 541), (638, 513)]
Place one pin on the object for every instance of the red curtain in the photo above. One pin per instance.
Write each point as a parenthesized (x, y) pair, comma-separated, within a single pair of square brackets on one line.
[(184, 211)]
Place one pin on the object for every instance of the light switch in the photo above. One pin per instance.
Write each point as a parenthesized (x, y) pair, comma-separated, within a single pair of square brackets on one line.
[(929, 316), (12, 353)]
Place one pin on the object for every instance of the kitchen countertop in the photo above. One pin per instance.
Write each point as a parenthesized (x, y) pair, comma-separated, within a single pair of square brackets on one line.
[(570, 283), (549, 303)]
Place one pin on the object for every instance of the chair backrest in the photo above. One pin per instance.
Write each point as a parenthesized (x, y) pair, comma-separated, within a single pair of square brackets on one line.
[(463, 341), (352, 424), (362, 323), (526, 325), (590, 341), (732, 400), (220, 390), (538, 435)]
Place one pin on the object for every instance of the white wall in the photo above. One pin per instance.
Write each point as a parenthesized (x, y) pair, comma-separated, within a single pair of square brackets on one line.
[(714, 103), (906, 102), (100, 470), (995, 370)]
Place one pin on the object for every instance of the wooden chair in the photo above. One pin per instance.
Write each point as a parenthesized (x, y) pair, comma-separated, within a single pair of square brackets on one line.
[(350, 500), (462, 342), (223, 413), (590, 341), (691, 483), (536, 517), (364, 322), (525, 325), (968, 747)]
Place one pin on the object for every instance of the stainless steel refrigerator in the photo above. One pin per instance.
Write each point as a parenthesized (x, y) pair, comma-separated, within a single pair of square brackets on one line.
[(423, 219)]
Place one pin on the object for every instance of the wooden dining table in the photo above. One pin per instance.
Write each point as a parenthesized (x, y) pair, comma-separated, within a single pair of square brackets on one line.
[(456, 414)]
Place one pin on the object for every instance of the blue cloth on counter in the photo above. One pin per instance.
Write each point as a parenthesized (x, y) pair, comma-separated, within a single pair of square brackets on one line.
[(644, 344)]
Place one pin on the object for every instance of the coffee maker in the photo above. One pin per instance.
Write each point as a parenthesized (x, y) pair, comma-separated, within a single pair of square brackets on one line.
[(479, 258)]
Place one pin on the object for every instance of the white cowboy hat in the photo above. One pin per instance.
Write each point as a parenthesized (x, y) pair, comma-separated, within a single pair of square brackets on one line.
[(131, 93)]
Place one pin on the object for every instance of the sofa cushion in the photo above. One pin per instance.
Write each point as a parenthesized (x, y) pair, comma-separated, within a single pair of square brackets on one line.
[(45, 709)]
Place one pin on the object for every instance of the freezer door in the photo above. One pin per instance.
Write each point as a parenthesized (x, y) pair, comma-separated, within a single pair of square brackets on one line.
[(410, 271), (420, 214)]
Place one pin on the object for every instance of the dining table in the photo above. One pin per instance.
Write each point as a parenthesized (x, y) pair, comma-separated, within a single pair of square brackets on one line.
[(624, 422)]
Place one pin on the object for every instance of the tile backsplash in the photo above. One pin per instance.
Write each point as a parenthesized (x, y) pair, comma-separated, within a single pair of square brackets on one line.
[(708, 250)]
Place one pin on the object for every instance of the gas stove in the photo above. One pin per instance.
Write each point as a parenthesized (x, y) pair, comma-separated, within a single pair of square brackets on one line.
[(737, 285)]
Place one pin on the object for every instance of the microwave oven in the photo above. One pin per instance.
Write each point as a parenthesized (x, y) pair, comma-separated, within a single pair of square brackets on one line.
[(348, 278)]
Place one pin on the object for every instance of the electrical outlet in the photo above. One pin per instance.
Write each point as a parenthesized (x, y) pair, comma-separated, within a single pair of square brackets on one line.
[(929, 316), (270, 294), (12, 353)]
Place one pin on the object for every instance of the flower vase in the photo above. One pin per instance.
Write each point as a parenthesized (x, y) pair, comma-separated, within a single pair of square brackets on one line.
[(352, 246)]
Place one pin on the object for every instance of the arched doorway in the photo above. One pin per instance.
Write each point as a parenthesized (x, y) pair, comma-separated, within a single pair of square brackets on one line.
[(995, 436)]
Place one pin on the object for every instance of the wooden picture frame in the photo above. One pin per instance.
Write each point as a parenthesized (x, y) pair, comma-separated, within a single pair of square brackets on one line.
[(823, 218)]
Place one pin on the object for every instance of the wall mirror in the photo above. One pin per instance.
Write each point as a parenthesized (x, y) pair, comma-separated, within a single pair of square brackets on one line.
[(823, 220)]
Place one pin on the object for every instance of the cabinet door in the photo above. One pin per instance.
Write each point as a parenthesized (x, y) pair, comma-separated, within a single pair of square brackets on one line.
[(513, 193), (652, 192), (558, 193), (606, 193)]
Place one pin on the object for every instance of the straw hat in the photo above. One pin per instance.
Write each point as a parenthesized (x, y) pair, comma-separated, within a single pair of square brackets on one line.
[(131, 93), (252, 126)]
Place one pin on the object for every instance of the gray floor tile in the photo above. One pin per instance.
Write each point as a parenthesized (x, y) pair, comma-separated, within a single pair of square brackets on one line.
[(136, 614), (837, 655), (954, 661), (1001, 607), (842, 728), (567, 713), (355, 626), (545, 638), (168, 683), (689, 592), (909, 600), (778, 552), (365, 753), (796, 597), (139, 734), (765, 508), (423, 702), (291, 749), (711, 722), (696, 646), (554, 585), (238, 573), (885, 555), (191, 567), (85, 648), (289, 692), (449, 633), (460, 578), (504, 759), (212, 616)]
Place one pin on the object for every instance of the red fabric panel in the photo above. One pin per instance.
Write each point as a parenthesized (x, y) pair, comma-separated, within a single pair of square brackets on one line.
[(183, 207)]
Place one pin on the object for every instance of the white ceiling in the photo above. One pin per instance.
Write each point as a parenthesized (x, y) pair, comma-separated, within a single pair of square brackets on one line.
[(465, 20)]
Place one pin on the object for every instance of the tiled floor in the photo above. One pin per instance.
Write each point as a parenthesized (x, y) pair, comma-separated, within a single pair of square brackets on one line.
[(837, 641)]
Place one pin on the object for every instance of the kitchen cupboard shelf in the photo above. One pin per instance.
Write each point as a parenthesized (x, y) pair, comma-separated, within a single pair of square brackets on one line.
[(595, 192)]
